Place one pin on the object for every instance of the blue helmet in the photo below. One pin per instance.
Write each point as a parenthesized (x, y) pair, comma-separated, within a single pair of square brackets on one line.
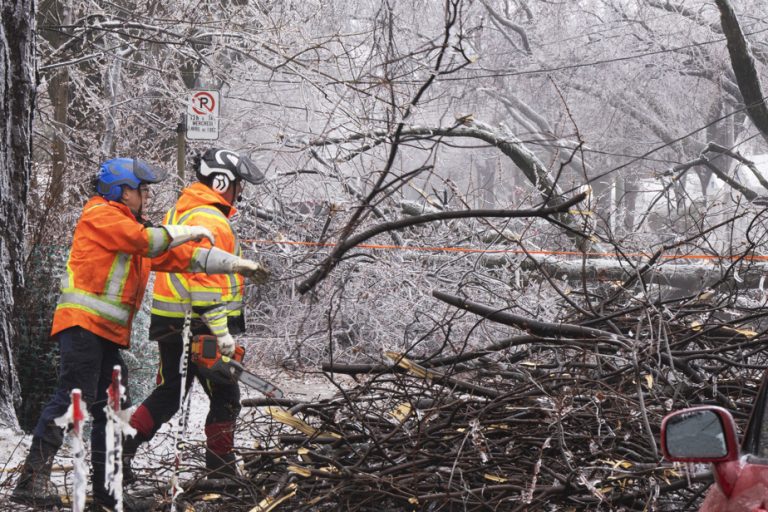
[(125, 171)]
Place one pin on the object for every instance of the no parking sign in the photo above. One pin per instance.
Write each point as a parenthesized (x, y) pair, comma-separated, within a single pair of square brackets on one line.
[(203, 115)]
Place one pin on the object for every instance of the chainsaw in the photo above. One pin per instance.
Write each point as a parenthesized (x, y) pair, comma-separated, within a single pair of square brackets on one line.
[(214, 366)]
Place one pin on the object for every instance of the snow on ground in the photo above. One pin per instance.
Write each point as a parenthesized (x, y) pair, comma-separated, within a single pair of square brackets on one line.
[(155, 459)]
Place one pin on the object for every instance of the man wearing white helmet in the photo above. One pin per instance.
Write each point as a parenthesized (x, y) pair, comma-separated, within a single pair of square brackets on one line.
[(216, 305)]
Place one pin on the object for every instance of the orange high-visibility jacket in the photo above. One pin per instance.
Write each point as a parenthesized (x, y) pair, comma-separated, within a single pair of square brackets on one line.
[(108, 269), (217, 300)]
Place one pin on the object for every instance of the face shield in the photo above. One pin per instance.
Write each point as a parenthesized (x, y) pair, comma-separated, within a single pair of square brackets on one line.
[(248, 171), (147, 172)]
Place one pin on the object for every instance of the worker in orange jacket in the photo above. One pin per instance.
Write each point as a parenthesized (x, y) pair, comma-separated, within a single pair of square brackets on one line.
[(216, 306), (113, 251)]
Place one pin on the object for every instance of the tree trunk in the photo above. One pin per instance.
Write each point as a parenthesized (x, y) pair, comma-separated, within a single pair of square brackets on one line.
[(52, 15), (744, 67), (486, 170), (17, 90)]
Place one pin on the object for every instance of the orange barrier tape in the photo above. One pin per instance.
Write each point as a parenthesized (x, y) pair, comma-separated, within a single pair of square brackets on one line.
[(518, 251)]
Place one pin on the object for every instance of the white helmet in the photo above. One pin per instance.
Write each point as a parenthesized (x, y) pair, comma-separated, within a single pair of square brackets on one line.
[(220, 167)]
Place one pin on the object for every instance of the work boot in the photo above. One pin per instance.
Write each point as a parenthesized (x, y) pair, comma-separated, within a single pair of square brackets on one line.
[(104, 502), (129, 476), (34, 487), (130, 445), (220, 466)]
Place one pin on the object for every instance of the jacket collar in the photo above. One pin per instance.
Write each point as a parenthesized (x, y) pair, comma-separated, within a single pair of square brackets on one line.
[(199, 194)]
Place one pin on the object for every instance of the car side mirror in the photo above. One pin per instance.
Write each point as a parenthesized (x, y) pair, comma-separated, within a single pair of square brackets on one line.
[(699, 434), (704, 434)]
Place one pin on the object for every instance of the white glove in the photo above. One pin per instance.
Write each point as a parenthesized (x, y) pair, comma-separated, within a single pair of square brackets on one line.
[(226, 345), (222, 262), (251, 269), (183, 234)]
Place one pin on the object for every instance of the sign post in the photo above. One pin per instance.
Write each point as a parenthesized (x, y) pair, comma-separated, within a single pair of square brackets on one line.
[(181, 149), (203, 115)]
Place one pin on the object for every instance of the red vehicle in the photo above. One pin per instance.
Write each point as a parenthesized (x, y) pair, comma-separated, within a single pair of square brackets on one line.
[(708, 434)]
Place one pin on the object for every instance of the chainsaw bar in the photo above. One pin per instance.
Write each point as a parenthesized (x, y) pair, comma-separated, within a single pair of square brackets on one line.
[(227, 369), (256, 382)]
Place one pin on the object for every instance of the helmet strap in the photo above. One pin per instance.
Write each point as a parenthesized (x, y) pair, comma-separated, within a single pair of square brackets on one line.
[(236, 184)]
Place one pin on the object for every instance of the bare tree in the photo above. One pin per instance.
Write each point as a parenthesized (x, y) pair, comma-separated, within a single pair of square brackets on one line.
[(17, 91)]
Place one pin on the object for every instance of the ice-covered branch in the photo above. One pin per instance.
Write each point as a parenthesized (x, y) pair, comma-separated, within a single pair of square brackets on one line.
[(345, 245)]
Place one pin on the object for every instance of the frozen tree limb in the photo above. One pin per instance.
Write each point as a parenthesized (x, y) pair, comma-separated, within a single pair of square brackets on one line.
[(695, 16), (344, 246), (539, 128), (744, 67), (688, 277), (509, 24), (513, 104), (530, 165), (508, 144), (716, 148), (529, 325), (354, 369), (704, 161)]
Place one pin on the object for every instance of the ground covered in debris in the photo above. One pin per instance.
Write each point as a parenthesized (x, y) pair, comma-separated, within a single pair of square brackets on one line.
[(153, 463), (562, 417)]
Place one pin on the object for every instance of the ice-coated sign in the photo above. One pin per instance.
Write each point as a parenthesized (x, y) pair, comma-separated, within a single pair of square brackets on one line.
[(203, 115)]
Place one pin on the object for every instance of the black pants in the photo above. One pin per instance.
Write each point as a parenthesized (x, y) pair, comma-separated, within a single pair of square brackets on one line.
[(163, 402), (86, 363)]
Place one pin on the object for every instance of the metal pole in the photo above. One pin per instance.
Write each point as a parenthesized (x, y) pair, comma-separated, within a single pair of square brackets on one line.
[(181, 149)]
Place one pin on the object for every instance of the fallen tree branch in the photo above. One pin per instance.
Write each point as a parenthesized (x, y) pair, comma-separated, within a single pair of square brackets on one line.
[(528, 324), (330, 262)]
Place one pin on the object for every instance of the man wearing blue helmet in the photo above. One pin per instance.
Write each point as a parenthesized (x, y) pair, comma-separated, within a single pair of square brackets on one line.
[(122, 175), (112, 254)]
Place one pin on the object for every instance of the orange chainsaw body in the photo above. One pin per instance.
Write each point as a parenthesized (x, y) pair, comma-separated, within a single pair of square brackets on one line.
[(212, 365), (205, 351)]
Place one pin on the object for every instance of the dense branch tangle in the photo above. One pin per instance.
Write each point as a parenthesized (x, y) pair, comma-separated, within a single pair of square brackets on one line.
[(527, 161), (558, 417)]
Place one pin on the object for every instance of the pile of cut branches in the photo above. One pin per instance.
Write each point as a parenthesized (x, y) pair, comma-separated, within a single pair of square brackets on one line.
[(561, 417)]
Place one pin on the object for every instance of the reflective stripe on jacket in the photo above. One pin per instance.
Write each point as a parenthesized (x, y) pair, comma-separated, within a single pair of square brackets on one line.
[(213, 298), (108, 269)]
